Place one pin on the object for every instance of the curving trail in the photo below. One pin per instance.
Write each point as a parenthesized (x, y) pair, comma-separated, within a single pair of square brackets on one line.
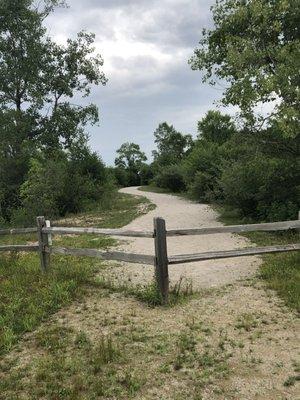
[(182, 213)]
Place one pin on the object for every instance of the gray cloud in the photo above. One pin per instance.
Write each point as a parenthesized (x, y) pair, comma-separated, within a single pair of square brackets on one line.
[(146, 46)]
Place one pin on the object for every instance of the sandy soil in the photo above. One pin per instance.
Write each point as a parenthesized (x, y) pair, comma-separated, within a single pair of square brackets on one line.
[(181, 213)]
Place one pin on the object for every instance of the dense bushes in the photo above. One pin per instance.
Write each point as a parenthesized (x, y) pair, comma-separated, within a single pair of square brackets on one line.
[(64, 183), (263, 188), (255, 173), (171, 177)]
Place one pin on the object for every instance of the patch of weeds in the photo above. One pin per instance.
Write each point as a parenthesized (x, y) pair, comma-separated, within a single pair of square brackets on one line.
[(186, 355), (53, 338), (291, 380), (81, 340), (202, 362), (247, 322), (103, 353), (28, 297), (86, 370), (296, 366), (165, 368), (148, 294), (131, 382)]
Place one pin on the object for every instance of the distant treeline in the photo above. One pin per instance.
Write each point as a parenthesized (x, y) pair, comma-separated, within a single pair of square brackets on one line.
[(251, 164), (255, 173)]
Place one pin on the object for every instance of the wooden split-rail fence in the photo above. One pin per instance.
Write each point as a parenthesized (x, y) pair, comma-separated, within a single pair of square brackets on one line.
[(160, 259)]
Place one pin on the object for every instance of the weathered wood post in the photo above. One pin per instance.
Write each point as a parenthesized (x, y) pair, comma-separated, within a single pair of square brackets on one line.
[(43, 244), (161, 258)]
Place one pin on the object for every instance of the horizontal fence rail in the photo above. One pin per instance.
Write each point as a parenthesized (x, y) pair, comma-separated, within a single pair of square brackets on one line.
[(98, 231), (160, 259), (19, 247), (251, 251), (271, 226), (105, 255), (17, 231)]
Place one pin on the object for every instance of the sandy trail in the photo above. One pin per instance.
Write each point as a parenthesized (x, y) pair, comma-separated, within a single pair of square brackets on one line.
[(181, 213)]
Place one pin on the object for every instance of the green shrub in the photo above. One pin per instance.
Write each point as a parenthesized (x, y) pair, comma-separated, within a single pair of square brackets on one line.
[(263, 188), (64, 183), (204, 187), (146, 174), (171, 177)]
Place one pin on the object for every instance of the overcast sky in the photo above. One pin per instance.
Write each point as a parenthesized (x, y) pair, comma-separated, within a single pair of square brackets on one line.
[(146, 45)]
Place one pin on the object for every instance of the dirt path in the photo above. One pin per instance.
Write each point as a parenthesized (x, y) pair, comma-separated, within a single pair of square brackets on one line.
[(181, 213), (233, 342)]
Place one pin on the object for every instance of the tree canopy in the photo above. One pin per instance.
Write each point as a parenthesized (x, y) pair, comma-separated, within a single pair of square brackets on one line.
[(39, 80), (255, 47), (216, 127), (171, 144), (39, 77)]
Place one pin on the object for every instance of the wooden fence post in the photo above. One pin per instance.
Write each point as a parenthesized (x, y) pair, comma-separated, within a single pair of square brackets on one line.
[(43, 244), (161, 258)]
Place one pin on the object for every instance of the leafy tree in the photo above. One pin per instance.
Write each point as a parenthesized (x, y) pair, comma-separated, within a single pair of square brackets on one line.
[(171, 145), (130, 158), (38, 79), (216, 127), (255, 47)]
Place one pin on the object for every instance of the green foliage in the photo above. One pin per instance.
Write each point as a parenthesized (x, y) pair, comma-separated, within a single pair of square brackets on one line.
[(256, 187), (27, 296), (282, 273), (64, 183), (146, 174), (171, 177), (171, 146), (37, 74), (129, 164), (216, 127), (254, 46)]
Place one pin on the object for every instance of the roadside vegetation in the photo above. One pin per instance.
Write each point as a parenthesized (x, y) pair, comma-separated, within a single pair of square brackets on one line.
[(28, 297)]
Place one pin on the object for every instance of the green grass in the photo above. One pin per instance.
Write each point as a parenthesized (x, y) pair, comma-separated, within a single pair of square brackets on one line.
[(122, 211), (280, 271), (28, 297), (68, 368), (149, 294)]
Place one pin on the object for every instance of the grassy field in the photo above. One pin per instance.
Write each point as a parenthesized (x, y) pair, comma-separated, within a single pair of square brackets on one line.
[(28, 297), (281, 272)]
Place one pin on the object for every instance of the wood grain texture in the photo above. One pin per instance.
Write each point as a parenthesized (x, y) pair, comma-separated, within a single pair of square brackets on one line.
[(99, 231), (185, 258), (161, 258), (17, 231), (271, 226), (105, 255)]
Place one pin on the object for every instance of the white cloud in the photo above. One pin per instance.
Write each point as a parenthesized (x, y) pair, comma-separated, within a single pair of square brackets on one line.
[(145, 46)]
